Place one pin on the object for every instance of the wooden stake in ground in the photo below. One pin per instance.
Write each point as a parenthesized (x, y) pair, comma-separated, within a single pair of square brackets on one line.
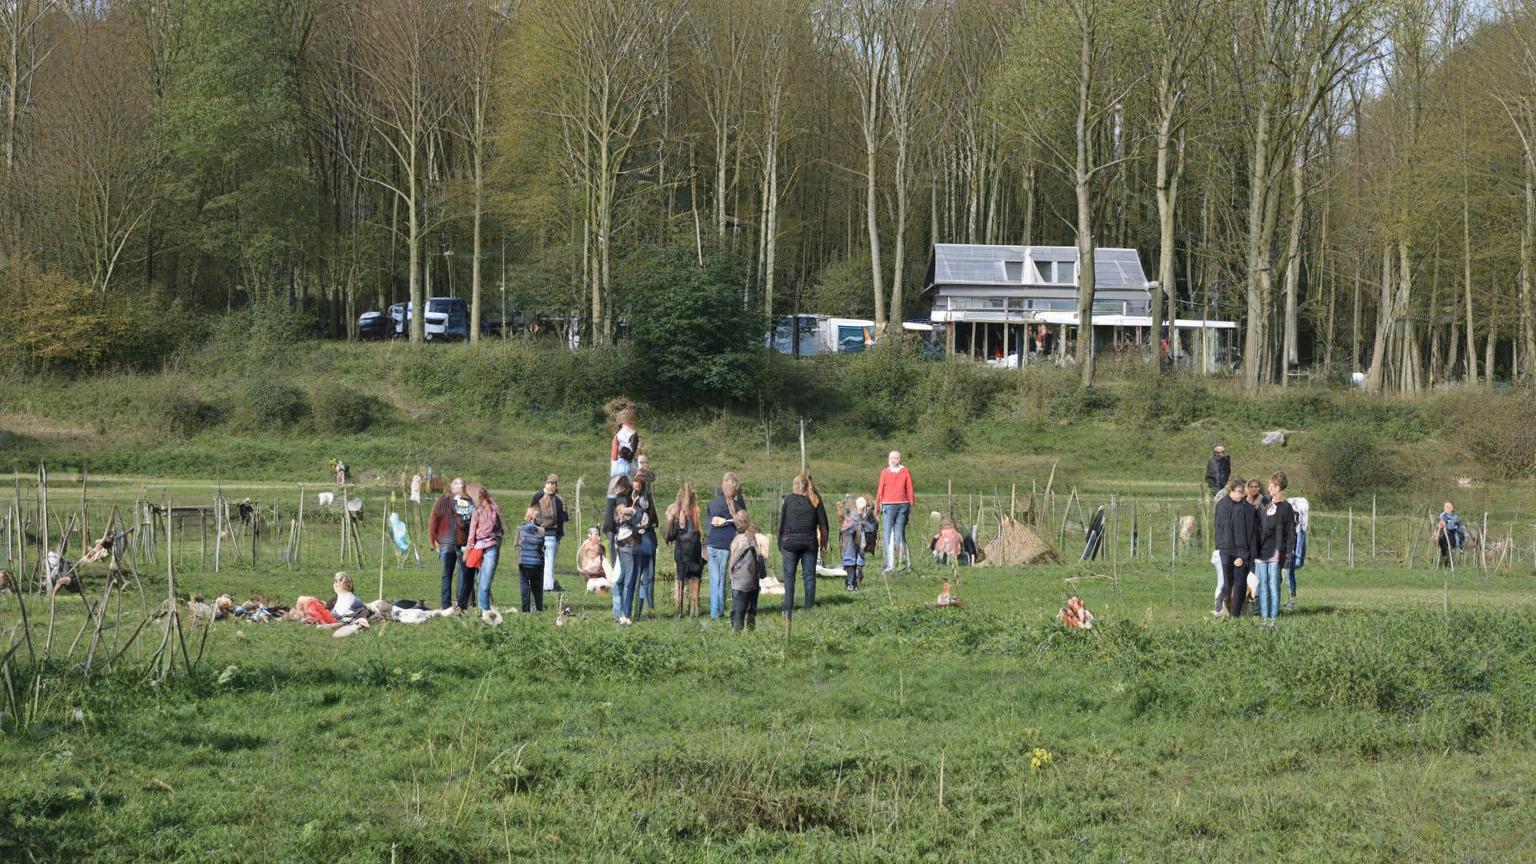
[(1373, 528), (1351, 553), (384, 543)]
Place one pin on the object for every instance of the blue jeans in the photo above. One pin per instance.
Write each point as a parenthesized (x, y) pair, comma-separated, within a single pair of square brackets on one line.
[(452, 560), (893, 523), (1269, 587), (645, 580), (483, 580), (718, 559), (551, 546), (636, 566), (806, 560), (1298, 559)]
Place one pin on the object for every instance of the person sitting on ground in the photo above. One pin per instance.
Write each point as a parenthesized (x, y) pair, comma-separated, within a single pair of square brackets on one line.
[(946, 598), (346, 605), (1075, 616), (1218, 470), (949, 544), (1450, 533), (589, 561), (530, 561), (745, 568)]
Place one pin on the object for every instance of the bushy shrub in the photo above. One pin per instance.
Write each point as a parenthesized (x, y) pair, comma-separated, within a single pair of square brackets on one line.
[(265, 404), (1169, 401), (63, 325), (1498, 430), (186, 414), (1350, 462), (344, 411), (254, 337), (505, 379), (692, 338)]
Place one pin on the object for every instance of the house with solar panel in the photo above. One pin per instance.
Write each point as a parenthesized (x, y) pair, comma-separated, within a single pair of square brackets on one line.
[(990, 301)]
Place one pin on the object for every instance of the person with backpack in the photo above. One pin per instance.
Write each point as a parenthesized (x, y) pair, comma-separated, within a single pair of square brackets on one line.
[(485, 532), (1450, 533), (720, 517), (636, 538), (530, 561), (625, 445), (448, 529), (687, 550), (1237, 539), (552, 518), (802, 525), (1277, 543), (746, 567), (893, 495)]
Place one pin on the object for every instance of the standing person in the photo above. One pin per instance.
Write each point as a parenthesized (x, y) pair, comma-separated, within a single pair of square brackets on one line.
[(893, 495), (1277, 542), (530, 561), (552, 518), (449, 529), (687, 550), (721, 516), (620, 493), (746, 567), (1237, 533), (1218, 470), (854, 523), (636, 539), (485, 532), (625, 446), (1256, 496), (647, 529), (1450, 533), (1303, 509), (802, 522)]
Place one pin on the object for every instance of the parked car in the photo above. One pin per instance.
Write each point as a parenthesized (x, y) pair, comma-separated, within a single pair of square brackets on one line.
[(372, 326), (400, 321), (447, 318)]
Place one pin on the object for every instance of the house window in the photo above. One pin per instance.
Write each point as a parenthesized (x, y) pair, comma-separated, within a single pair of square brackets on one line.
[(1054, 272)]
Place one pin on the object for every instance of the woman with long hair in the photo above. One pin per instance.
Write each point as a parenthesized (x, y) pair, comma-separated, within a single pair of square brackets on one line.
[(636, 539), (687, 550), (485, 532), (802, 524)]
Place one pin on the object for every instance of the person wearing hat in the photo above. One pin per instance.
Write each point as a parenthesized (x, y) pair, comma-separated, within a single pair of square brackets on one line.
[(1218, 470), (552, 518)]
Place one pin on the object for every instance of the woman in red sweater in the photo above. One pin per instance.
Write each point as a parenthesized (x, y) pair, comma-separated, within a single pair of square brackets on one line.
[(893, 495)]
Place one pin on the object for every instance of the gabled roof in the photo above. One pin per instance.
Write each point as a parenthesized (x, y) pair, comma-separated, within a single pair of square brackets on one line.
[(980, 264)]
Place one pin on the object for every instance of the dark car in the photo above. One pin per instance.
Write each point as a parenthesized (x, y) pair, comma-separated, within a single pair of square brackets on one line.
[(372, 326)]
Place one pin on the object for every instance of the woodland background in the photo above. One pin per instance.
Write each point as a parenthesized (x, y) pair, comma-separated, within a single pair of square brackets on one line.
[(1352, 180)]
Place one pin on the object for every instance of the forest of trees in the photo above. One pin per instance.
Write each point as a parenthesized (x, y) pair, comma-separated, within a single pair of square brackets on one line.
[(1352, 180)]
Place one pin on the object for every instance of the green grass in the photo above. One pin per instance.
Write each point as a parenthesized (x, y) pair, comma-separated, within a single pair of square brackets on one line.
[(1369, 726)]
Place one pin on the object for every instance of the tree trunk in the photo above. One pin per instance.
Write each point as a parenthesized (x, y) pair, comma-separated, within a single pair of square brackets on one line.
[(1082, 176), (1258, 191), (1466, 281), (1373, 375), (1293, 266)]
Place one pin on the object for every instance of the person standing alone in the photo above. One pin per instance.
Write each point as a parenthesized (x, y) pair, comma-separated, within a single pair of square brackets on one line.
[(893, 495), (1218, 470)]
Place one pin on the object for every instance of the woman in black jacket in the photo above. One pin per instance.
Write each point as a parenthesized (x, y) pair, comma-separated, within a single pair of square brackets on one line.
[(802, 528), (687, 550), (1277, 542)]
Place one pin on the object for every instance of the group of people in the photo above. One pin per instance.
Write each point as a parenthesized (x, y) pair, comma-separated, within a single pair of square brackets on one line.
[(467, 530), (723, 537), (1260, 533)]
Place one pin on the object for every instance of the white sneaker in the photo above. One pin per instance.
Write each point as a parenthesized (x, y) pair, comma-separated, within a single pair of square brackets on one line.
[(624, 619)]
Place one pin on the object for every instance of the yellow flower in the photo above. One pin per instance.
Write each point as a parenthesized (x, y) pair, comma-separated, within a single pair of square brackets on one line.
[(1039, 759)]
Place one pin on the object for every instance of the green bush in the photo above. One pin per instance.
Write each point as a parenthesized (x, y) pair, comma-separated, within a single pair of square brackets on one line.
[(185, 415), (1350, 463), (265, 404), (59, 324), (1497, 430), (1169, 402), (692, 338), (345, 411)]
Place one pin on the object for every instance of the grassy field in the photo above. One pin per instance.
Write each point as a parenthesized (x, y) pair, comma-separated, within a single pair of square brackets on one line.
[(1392, 717), (1369, 726)]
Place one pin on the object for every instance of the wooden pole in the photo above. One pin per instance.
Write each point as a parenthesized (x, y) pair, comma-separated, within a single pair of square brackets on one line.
[(384, 543), (218, 530), (802, 444), (298, 545), (1351, 553), (1373, 527)]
